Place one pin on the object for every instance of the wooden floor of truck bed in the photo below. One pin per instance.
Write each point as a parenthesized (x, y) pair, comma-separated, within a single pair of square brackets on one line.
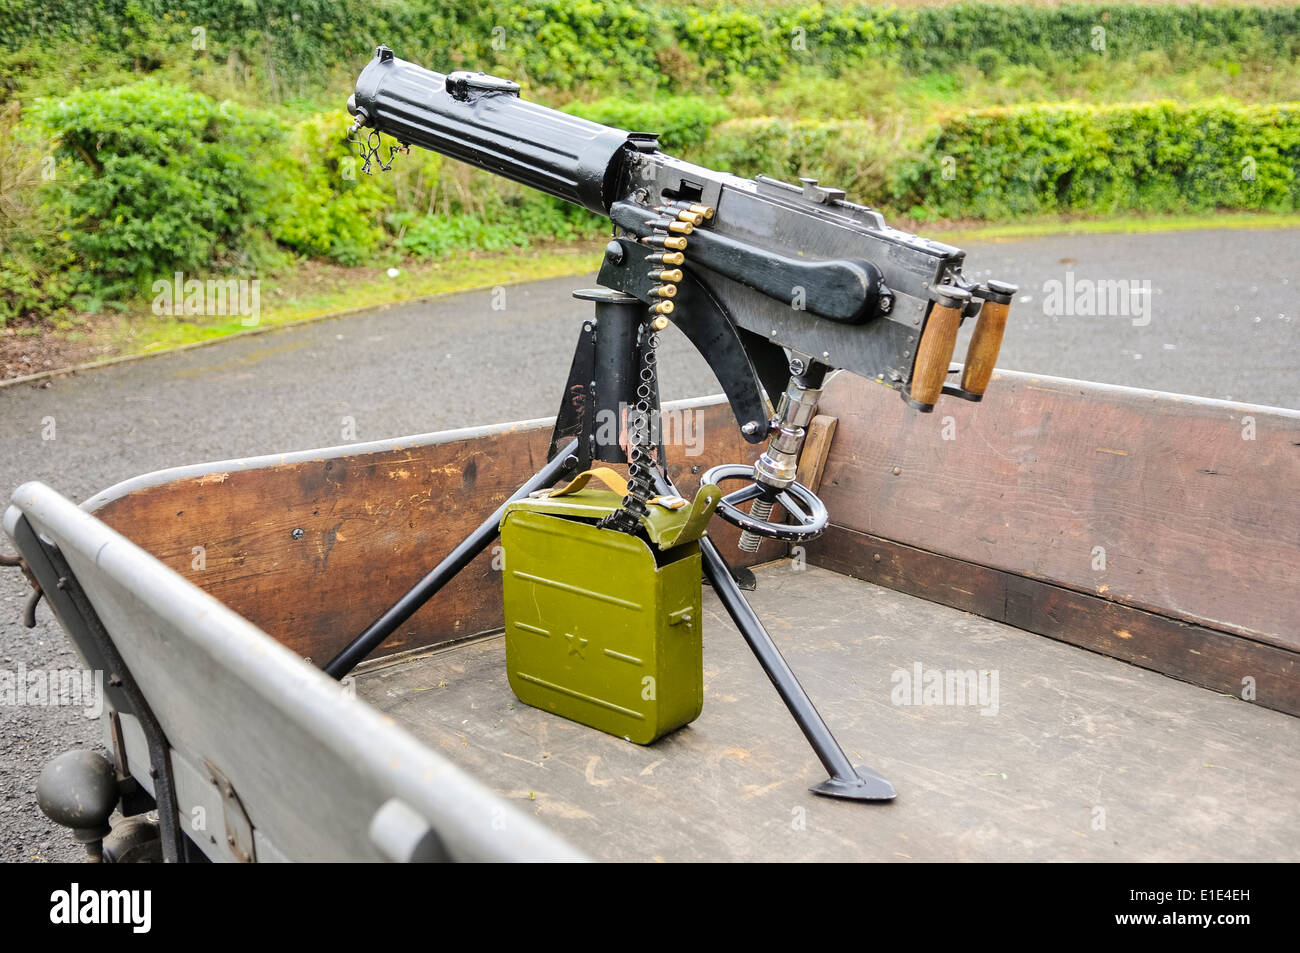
[(1077, 757)]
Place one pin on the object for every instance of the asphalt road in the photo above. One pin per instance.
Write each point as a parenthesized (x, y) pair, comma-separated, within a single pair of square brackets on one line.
[(1213, 313)]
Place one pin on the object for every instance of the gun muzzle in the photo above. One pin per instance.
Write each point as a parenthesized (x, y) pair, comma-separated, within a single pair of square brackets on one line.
[(480, 119), (986, 342), (938, 339)]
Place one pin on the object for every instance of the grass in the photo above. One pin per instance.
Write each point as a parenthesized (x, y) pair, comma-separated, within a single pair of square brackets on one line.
[(880, 93), (315, 291), (958, 232), (307, 293)]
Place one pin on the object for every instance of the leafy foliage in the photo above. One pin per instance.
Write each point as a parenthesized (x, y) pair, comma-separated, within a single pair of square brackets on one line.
[(590, 45), (154, 178), (1150, 157), (680, 121), (160, 162)]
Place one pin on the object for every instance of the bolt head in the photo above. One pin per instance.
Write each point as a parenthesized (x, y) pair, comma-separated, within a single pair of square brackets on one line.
[(797, 366), (614, 253)]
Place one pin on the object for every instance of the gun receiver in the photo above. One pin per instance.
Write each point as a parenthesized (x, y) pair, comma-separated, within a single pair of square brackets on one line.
[(774, 267)]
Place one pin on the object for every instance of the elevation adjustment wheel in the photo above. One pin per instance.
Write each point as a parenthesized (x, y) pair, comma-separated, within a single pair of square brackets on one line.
[(807, 512)]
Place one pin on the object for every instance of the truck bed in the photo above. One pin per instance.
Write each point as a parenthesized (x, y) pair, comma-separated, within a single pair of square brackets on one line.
[(1082, 757)]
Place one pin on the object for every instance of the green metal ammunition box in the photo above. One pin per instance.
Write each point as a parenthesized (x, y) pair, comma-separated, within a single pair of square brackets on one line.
[(602, 627)]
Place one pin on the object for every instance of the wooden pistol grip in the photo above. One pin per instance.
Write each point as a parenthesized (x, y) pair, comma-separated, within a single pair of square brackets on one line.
[(934, 353), (985, 343)]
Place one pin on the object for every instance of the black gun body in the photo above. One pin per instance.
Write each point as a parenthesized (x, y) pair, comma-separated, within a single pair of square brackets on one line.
[(794, 267), (490, 127)]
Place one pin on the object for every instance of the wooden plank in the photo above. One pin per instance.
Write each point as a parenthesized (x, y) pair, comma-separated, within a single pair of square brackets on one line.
[(312, 551), (816, 447), (1182, 506), (1212, 659)]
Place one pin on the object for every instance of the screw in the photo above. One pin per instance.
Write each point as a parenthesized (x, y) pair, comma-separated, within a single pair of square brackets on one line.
[(875, 557), (750, 428), (886, 304), (898, 471), (797, 366), (297, 534)]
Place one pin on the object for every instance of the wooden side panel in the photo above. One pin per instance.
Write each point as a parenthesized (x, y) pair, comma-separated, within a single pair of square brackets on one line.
[(312, 552), (1264, 674), (1185, 507)]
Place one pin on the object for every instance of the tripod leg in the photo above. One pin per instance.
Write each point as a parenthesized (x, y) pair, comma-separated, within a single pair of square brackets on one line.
[(440, 575), (845, 781)]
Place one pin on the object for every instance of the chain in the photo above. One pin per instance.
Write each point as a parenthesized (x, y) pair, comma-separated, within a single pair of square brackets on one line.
[(369, 149), (643, 449)]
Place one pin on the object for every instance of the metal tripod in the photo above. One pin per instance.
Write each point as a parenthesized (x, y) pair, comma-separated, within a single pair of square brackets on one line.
[(603, 371)]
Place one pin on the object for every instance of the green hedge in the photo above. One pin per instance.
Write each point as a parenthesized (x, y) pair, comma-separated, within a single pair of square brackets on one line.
[(852, 155), (1147, 157), (681, 121), (582, 45), (152, 178)]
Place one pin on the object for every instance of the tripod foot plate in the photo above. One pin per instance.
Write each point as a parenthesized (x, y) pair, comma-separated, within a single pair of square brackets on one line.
[(867, 786)]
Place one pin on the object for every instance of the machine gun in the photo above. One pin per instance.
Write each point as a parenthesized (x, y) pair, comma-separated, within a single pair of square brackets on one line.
[(775, 284)]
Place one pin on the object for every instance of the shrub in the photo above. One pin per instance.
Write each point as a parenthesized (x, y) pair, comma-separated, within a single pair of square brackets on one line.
[(305, 46), (32, 253), (153, 178), (1148, 157), (325, 206), (853, 155), (680, 121)]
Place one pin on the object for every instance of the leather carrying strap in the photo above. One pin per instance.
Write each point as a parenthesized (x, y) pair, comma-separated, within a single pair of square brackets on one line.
[(691, 528), (614, 481)]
